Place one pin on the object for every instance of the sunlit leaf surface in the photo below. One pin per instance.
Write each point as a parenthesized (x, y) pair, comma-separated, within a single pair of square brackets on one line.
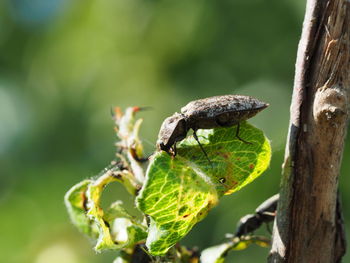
[(180, 191)]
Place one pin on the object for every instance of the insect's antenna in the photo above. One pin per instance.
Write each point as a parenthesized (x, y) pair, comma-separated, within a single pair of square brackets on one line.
[(200, 145)]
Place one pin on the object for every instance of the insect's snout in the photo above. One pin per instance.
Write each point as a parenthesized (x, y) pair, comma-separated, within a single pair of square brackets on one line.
[(162, 147)]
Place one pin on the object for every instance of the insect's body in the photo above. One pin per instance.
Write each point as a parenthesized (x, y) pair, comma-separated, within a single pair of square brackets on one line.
[(264, 213), (220, 111), (209, 113)]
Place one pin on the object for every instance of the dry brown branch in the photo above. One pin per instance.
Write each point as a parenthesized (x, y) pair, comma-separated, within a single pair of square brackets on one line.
[(308, 226)]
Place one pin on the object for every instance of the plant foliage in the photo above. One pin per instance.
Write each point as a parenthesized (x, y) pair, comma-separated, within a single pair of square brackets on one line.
[(174, 194)]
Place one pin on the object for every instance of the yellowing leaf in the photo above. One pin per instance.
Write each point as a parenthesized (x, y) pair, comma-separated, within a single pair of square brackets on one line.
[(75, 201), (117, 229)]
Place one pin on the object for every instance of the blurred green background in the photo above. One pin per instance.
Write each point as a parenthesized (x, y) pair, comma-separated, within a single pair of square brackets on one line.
[(64, 64)]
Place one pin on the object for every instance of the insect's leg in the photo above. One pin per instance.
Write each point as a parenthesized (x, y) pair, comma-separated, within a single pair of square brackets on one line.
[(200, 145), (268, 228), (239, 138), (223, 121), (174, 149)]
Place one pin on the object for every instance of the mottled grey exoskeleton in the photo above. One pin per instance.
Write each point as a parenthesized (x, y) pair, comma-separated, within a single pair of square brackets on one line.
[(212, 112)]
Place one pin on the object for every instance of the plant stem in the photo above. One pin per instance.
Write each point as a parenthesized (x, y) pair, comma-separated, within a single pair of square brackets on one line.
[(308, 226)]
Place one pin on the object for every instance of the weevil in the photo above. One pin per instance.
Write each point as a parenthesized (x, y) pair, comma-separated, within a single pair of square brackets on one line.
[(264, 213), (208, 113)]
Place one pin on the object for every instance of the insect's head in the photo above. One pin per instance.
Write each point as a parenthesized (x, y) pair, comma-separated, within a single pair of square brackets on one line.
[(172, 130)]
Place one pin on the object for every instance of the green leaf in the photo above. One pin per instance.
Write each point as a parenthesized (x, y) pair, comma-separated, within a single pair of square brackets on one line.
[(217, 254), (234, 162), (124, 228), (117, 229), (175, 198), (75, 201), (180, 191)]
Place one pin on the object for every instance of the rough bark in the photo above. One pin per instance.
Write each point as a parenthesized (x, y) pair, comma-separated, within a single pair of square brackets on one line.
[(308, 227)]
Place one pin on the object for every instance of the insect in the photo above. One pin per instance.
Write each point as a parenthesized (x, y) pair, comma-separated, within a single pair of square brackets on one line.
[(264, 213), (209, 113)]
